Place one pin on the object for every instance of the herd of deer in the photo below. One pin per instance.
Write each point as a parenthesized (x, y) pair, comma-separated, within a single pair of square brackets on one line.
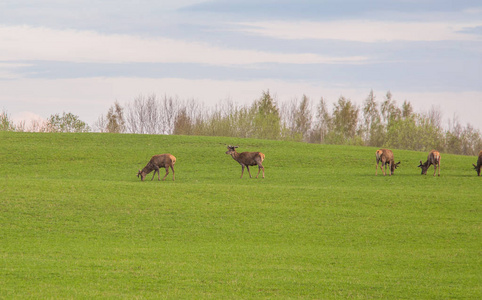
[(385, 156), (247, 159)]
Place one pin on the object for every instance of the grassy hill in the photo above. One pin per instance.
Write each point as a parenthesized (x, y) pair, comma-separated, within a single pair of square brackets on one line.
[(76, 222)]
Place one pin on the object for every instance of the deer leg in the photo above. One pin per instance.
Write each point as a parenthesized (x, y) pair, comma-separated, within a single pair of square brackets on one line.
[(384, 170), (167, 173), (435, 169), (156, 170), (376, 169), (249, 172), (173, 173), (242, 170), (260, 166)]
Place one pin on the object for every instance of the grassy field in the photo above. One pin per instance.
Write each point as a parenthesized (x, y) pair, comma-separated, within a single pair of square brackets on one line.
[(76, 222)]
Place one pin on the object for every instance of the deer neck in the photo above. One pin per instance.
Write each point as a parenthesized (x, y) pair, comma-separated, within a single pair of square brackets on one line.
[(235, 155), (147, 169)]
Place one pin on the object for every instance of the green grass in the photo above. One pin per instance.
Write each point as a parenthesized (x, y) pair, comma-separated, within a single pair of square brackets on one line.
[(75, 221)]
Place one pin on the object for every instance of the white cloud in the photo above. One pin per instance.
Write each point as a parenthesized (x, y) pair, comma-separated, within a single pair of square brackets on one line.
[(362, 30), (33, 43)]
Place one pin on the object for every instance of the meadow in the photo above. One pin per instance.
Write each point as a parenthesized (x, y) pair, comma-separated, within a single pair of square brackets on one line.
[(76, 222)]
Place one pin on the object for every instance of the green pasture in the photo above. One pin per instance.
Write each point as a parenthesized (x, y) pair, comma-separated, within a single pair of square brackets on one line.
[(76, 222)]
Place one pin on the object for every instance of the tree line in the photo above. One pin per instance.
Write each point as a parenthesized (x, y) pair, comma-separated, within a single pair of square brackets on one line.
[(373, 123)]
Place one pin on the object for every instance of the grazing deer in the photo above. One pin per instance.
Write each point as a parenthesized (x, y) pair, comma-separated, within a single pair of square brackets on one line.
[(246, 159), (479, 164), (158, 161), (386, 157), (432, 159)]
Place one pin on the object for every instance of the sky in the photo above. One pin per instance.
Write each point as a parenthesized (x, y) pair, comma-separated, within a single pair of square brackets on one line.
[(81, 56)]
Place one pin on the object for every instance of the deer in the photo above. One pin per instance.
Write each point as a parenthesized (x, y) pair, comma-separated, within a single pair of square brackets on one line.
[(246, 159), (385, 156), (479, 164), (158, 161), (433, 158)]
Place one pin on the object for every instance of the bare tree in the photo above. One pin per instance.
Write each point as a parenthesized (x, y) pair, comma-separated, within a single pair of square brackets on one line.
[(144, 116), (303, 117), (372, 129), (390, 111), (435, 116), (324, 121), (101, 124)]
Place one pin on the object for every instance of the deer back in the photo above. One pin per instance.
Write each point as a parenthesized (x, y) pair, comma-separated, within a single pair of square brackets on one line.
[(163, 160), (250, 158), (433, 158), (384, 155)]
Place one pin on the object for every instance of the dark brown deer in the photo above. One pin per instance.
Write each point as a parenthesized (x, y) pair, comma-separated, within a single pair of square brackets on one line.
[(246, 159), (158, 161), (432, 159), (479, 164), (385, 156)]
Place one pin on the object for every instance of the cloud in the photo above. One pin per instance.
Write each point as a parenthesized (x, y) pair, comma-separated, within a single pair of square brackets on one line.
[(363, 30), (25, 43), (7, 70)]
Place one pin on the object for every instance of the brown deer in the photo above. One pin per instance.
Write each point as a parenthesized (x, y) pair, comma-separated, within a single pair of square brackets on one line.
[(246, 159), (479, 164), (385, 156), (158, 161), (432, 159)]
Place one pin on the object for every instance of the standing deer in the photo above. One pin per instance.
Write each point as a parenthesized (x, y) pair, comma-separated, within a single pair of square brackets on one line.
[(246, 159), (432, 159), (158, 161), (479, 164), (386, 157)]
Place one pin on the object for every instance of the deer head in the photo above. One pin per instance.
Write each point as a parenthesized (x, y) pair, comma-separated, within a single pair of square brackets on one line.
[(142, 175), (231, 149), (393, 167), (424, 168), (478, 169)]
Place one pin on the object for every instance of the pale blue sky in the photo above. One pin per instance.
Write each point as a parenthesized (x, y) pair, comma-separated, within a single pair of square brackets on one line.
[(81, 56)]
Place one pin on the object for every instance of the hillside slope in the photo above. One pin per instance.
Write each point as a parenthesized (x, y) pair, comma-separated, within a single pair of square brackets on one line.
[(77, 222)]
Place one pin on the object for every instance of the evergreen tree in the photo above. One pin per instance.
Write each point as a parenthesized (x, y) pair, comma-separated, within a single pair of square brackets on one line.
[(266, 118)]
